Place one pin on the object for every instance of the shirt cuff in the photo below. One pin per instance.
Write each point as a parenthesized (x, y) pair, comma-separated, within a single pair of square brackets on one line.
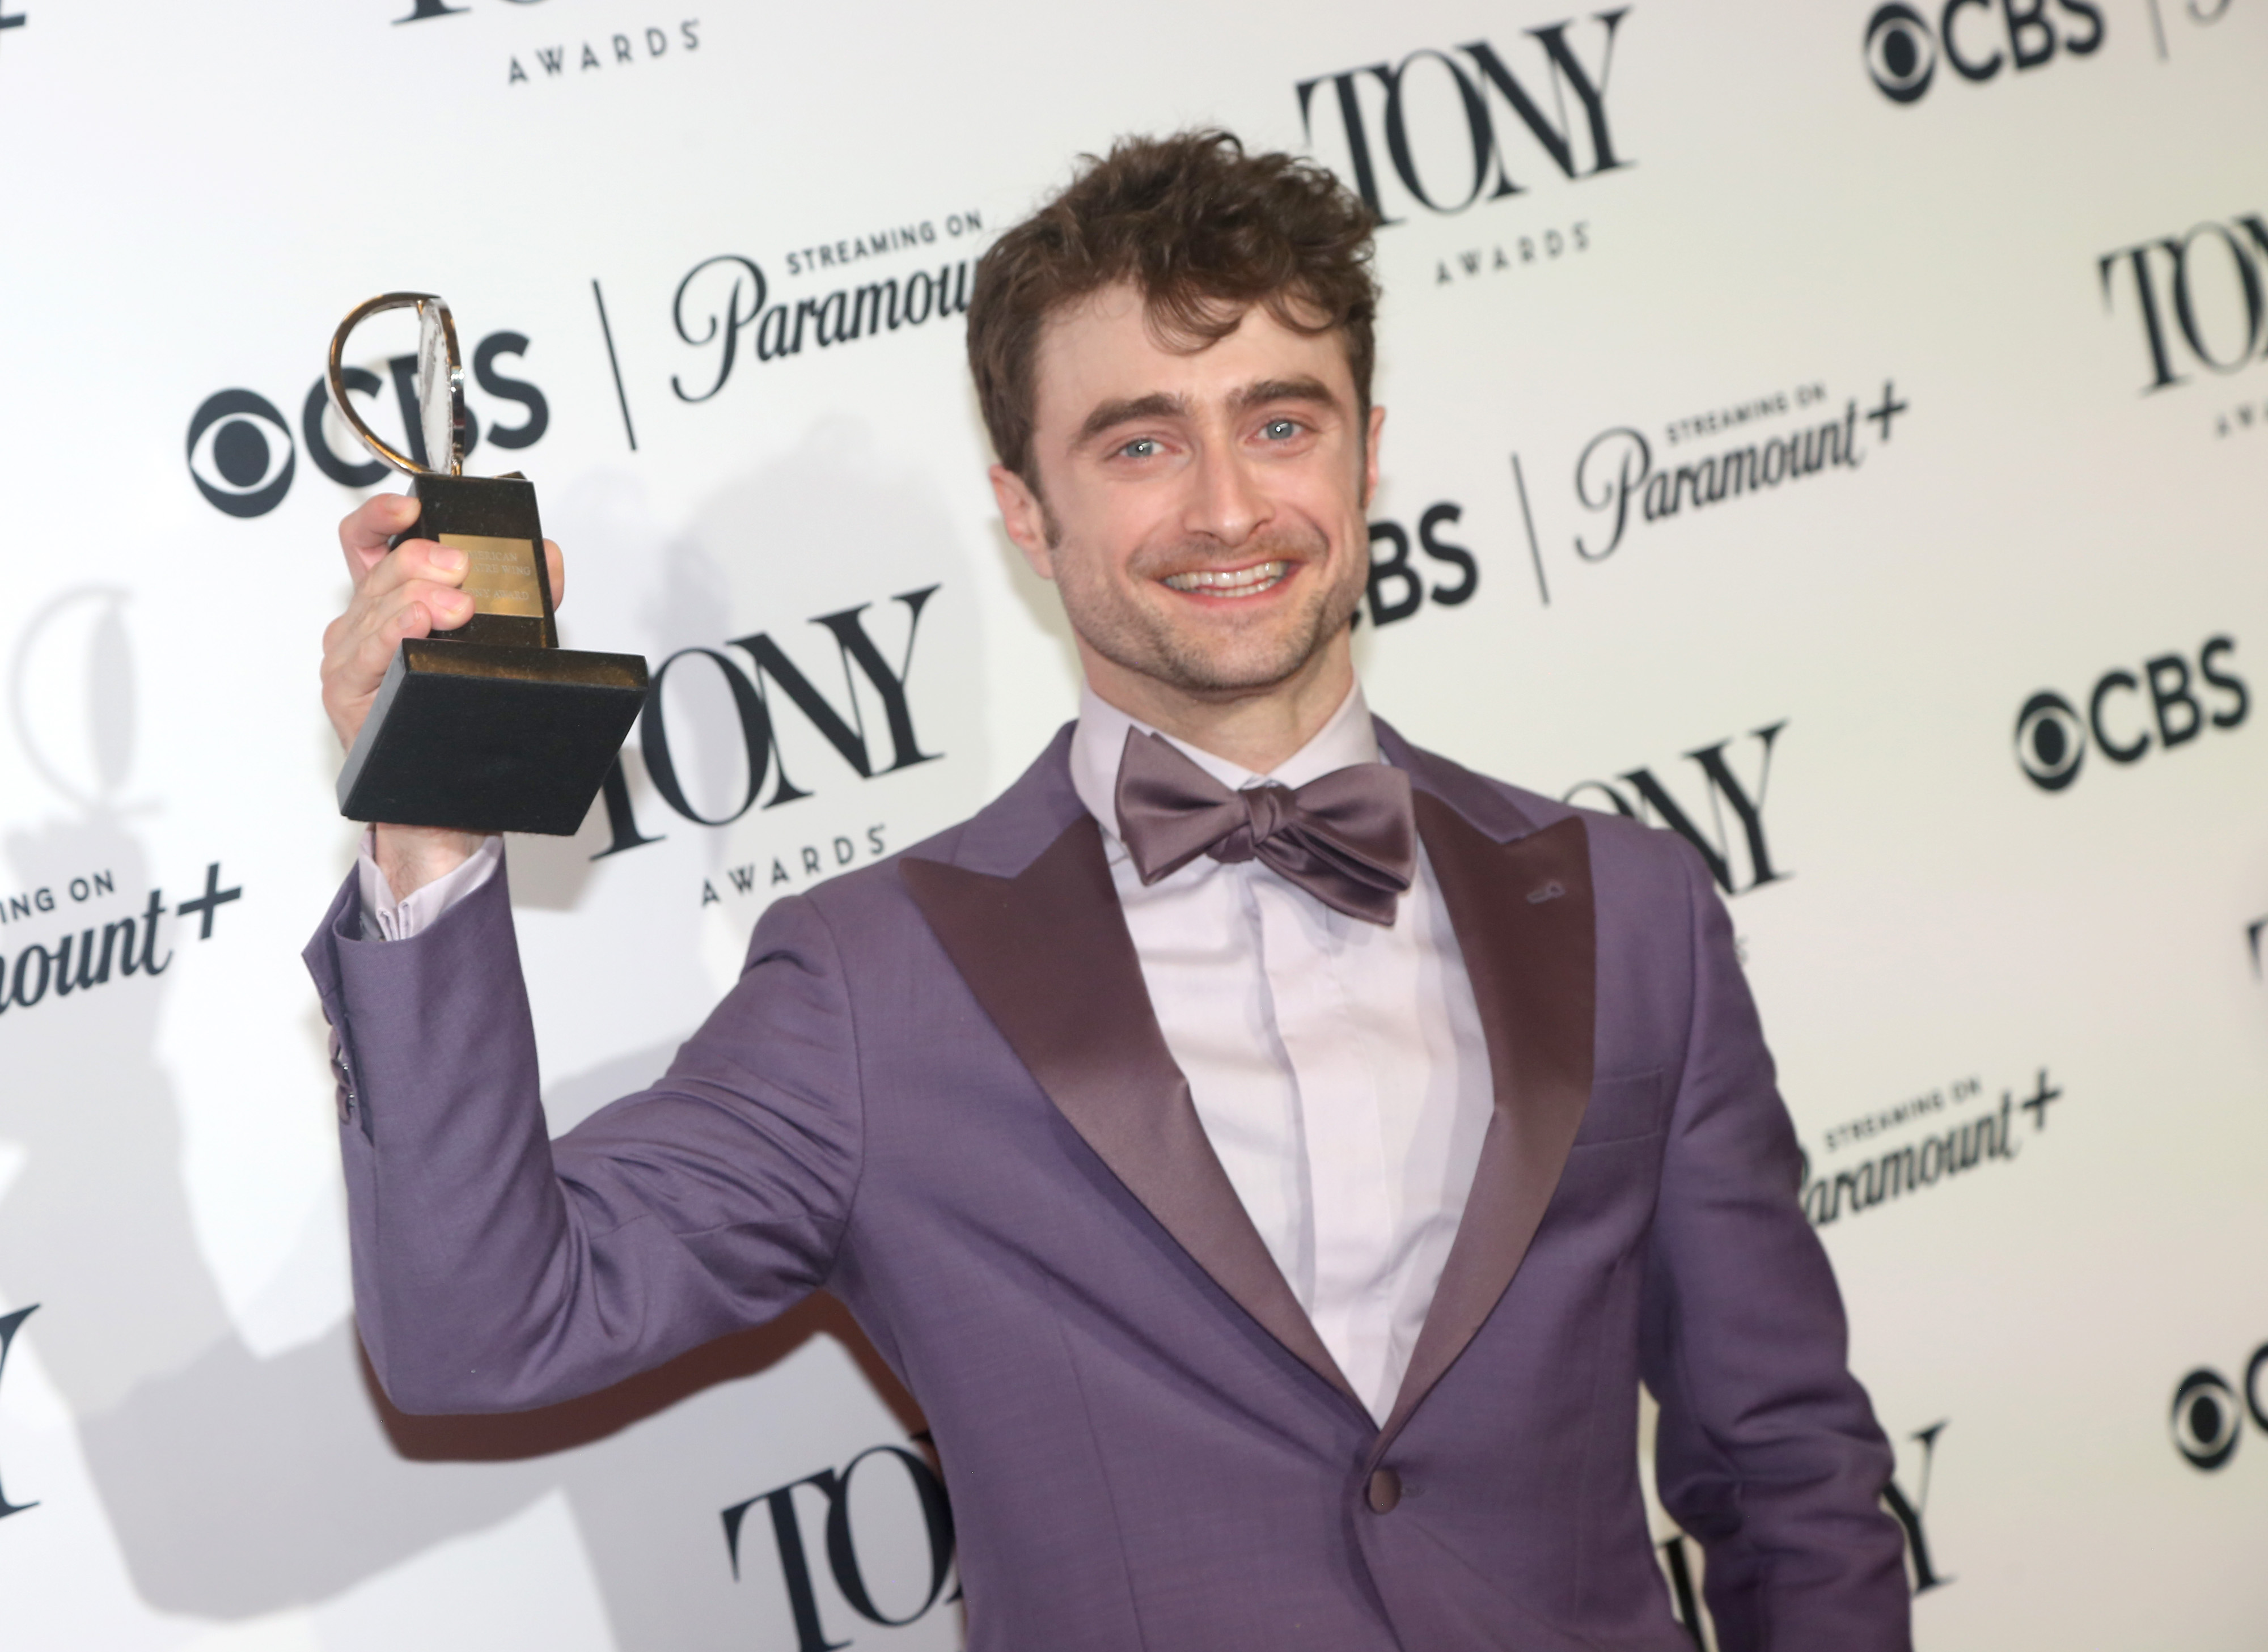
[(386, 919)]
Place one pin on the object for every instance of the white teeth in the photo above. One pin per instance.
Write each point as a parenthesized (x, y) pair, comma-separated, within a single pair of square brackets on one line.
[(1242, 582)]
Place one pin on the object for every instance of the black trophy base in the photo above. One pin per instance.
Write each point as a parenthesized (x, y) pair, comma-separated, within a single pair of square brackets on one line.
[(490, 737)]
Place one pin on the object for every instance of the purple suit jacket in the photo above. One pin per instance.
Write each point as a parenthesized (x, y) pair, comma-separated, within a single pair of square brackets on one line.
[(939, 1092)]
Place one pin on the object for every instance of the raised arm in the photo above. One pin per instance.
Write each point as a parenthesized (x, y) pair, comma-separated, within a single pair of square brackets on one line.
[(494, 1269)]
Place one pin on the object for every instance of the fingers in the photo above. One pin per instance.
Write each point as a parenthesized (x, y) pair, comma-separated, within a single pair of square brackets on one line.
[(354, 665), (410, 591), (379, 619), (360, 645), (364, 529), (363, 535), (418, 563)]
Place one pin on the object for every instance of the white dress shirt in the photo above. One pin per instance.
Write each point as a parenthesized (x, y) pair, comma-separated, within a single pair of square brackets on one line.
[(1337, 1067), (384, 918)]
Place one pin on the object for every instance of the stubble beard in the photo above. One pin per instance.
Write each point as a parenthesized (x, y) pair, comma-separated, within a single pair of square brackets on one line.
[(1141, 639)]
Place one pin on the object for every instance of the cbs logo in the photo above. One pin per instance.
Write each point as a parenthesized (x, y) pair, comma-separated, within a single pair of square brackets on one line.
[(2053, 738), (2208, 1419), (242, 456), (1902, 50)]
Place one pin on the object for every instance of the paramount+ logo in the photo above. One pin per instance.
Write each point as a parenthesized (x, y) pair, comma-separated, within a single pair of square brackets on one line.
[(1976, 40), (2128, 715)]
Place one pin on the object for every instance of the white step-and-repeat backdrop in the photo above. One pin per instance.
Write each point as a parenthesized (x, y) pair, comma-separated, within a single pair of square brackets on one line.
[(1831, 430)]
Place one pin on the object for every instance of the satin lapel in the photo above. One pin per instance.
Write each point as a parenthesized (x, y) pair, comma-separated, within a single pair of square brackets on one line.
[(1048, 955), (1523, 913)]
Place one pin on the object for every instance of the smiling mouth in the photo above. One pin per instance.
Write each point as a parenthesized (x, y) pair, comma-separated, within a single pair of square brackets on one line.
[(1241, 582)]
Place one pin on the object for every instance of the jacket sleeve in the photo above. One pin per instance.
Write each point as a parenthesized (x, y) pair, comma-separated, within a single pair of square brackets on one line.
[(494, 1269), (1767, 1450)]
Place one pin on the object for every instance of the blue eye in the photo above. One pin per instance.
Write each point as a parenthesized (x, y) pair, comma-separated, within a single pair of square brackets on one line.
[(1141, 447), (1280, 429)]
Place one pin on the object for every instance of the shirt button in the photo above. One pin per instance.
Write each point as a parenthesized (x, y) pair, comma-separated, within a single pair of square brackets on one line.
[(1385, 1491)]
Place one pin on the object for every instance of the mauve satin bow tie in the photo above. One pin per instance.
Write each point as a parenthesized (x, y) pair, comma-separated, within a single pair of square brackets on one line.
[(1349, 838)]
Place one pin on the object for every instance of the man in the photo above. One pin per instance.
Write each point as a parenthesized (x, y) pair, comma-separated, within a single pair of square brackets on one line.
[(1274, 1192)]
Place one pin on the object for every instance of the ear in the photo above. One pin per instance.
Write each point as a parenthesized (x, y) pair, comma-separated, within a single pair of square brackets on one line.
[(1025, 518), (1370, 454)]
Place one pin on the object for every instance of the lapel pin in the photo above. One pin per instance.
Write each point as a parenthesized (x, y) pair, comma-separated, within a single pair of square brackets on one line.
[(1551, 890)]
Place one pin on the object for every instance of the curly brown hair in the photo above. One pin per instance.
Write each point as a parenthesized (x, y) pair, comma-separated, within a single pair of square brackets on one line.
[(1205, 230)]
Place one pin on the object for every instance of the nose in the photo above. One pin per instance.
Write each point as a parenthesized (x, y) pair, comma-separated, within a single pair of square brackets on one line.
[(1225, 501)]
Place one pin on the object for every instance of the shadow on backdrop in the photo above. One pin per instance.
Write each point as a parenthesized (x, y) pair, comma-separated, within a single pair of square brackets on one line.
[(238, 1486)]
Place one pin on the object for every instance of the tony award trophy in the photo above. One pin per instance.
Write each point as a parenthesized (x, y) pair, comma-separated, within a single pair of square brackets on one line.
[(490, 727)]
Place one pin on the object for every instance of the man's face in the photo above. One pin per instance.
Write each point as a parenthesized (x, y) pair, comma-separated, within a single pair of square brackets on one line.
[(1200, 512)]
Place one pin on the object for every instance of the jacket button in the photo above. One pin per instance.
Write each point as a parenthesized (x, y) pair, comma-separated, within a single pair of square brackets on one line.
[(1385, 1491)]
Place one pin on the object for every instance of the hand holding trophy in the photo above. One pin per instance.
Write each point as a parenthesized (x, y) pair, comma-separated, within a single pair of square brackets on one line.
[(491, 726)]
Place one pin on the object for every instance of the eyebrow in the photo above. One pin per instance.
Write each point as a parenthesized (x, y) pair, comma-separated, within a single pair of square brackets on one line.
[(1267, 390), (1160, 405), (1110, 414)]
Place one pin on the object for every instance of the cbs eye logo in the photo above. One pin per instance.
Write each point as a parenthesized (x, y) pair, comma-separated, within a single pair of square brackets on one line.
[(2208, 1419), (242, 457), (1901, 53), (240, 454), (2052, 738)]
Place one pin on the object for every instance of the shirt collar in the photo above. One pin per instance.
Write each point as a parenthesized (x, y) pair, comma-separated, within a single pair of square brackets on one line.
[(1096, 743)]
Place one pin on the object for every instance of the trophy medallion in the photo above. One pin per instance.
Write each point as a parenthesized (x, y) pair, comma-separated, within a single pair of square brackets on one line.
[(491, 726)]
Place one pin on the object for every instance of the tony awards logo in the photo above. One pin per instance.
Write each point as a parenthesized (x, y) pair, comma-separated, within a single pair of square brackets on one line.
[(491, 727)]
